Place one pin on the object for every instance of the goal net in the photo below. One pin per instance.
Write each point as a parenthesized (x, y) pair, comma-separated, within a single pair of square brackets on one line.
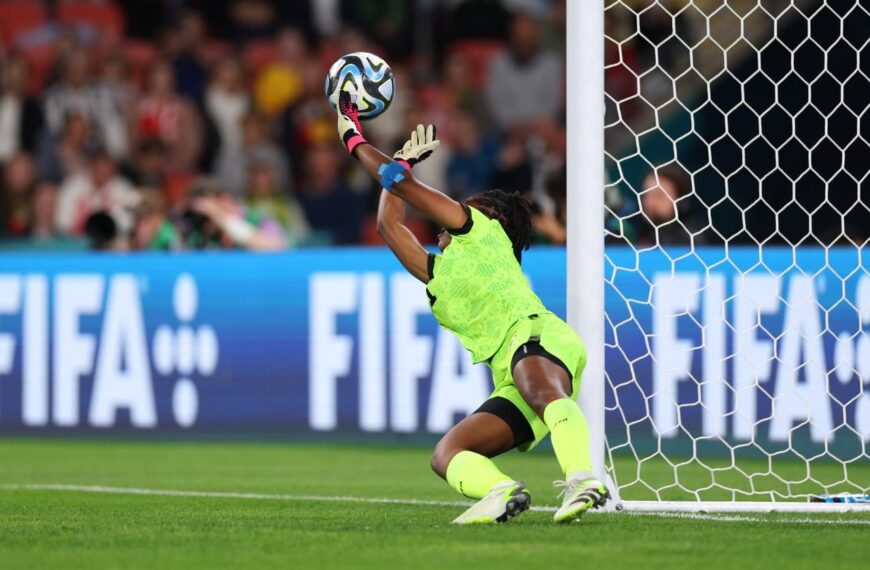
[(736, 342)]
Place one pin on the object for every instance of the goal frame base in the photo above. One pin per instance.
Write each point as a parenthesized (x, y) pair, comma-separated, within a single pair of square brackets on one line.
[(735, 507)]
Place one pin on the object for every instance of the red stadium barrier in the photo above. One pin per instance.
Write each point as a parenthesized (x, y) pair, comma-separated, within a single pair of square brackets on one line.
[(17, 17), (106, 17)]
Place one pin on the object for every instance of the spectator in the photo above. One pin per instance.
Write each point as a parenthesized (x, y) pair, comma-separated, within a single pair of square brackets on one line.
[(387, 20), (102, 234), (226, 104), (153, 231), (148, 167), (194, 116), (19, 179), (252, 20), (116, 81), (432, 171), (42, 228), (221, 221), (548, 226), (279, 84), (310, 121), (657, 25), (388, 131), (525, 77), (666, 216), (186, 46), (462, 94), (233, 165), (163, 115), (78, 92), (63, 155), (549, 215), (20, 115), (474, 155), (330, 205), (477, 19), (620, 81), (264, 198), (513, 168), (99, 188), (146, 18)]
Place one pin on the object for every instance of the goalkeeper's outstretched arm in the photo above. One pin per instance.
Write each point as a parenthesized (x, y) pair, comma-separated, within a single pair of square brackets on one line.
[(397, 236), (395, 175)]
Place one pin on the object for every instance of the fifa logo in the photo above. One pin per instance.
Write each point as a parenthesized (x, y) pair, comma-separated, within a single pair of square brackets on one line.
[(57, 333), (185, 350)]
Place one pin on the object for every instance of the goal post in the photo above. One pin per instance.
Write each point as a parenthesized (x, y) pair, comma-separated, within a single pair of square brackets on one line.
[(717, 149), (585, 174)]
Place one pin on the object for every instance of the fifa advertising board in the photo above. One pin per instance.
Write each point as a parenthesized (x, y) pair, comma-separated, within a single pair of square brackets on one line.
[(343, 340)]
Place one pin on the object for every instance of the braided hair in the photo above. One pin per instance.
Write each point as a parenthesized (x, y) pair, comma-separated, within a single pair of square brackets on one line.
[(513, 211)]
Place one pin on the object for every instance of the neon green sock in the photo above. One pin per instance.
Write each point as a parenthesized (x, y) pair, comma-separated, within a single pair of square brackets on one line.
[(569, 434), (473, 475)]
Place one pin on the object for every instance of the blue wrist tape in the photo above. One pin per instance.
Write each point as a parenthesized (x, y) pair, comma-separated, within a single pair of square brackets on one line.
[(391, 174)]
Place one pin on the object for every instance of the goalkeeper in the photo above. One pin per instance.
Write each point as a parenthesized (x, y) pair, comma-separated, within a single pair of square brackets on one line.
[(477, 290)]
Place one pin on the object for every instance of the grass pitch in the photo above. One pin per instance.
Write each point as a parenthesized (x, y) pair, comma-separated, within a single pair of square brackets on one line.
[(74, 529)]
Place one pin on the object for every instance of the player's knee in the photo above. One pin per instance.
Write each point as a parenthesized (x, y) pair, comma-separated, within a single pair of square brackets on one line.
[(539, 399), (437, 463), (441, 457)]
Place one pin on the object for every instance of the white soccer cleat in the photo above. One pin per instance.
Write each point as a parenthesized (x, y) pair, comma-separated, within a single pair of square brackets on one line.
[(503, 502), (581, 493)]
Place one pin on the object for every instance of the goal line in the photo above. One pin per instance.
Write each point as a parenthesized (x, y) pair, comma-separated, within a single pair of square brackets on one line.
[(659, 509)]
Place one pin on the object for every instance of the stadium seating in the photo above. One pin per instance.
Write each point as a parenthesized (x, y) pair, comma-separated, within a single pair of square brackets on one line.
[(106, 17), (258, 54), (139, 56), (476, 54), (40, 61), (17, 17)]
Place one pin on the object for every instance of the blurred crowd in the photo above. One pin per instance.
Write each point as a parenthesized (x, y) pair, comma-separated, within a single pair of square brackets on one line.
[(170, 125)]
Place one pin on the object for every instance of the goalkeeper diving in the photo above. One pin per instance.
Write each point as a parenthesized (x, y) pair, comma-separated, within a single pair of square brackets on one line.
[(477, 290)]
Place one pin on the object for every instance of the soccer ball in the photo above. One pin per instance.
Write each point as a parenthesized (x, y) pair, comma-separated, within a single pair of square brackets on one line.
[(368, 76)]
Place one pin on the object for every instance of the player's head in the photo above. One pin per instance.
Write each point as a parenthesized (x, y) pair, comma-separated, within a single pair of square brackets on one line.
[(512, 210)]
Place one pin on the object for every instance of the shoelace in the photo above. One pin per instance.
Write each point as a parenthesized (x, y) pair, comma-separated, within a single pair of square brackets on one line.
[(568, 487)]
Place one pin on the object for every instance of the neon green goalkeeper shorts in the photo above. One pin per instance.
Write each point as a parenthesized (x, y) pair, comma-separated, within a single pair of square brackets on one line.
[(540, 335)]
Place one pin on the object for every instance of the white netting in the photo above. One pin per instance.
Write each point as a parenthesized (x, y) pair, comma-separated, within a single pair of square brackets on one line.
[(738, 319)]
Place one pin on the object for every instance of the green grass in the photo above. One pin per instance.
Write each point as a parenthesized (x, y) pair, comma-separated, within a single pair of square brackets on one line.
[(50, 529)]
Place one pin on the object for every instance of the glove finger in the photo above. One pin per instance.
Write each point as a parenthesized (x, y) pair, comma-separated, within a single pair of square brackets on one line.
[(347, 101), (408, 145), (413, 140), (421, 134), (430, 133)]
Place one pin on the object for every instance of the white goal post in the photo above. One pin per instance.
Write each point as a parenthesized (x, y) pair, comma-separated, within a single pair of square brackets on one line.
[(729, 346)]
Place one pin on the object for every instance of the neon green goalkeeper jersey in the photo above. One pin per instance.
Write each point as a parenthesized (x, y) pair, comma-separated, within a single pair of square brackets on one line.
[(477, 289)]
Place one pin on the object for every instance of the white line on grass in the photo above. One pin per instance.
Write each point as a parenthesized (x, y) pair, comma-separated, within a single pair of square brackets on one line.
[(738, 518), (388, 501)]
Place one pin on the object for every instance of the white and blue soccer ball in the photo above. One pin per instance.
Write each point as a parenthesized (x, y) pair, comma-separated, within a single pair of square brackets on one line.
[(366, 75)]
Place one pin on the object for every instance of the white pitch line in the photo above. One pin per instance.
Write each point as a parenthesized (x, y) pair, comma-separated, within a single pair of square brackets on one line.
[(388, 501), (736, 518), (226, 495)]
